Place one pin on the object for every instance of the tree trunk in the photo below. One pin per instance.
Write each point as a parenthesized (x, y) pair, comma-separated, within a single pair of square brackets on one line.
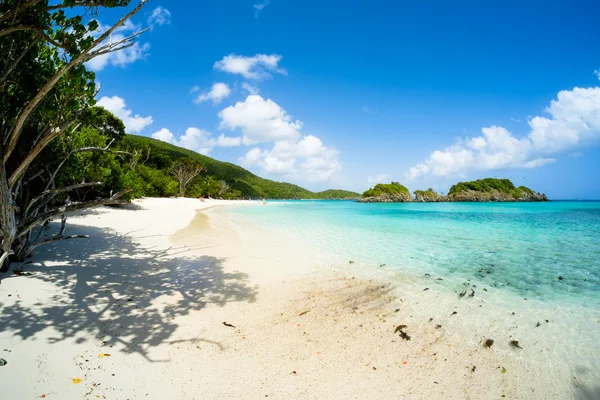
[(8, 223)]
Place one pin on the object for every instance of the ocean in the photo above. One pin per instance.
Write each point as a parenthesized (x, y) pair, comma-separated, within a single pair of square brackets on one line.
[(545, 251)]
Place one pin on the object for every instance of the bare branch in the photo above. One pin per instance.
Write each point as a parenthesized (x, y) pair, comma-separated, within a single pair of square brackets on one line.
[(16, 61), (79, 4), (39, 31), (30, 223), (112, 47), (48, 136), (185, 171), (57, 191), (13, 13)]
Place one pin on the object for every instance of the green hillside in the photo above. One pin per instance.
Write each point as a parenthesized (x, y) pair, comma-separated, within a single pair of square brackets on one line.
[(488, 185), (238, 178), (382, 189)]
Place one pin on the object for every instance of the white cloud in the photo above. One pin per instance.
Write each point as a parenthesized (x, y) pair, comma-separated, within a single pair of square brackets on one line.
[(249, 88), (196, 139), (292, 155), (116, 105), (160, 16), (574, 123), (256, 67), (217, 93), (378, 178), (258, 7), (260, 120), (597, 73), (122, 57), (165, 135), (306, 159)]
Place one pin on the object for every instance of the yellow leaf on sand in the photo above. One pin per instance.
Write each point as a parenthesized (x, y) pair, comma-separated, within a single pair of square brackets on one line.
[(76, 381), (104, 355)]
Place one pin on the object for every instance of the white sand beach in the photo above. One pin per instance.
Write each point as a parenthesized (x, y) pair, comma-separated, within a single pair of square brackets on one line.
[(164, 303)]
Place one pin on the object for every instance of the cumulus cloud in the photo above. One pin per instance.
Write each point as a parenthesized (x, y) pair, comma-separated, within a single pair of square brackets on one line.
[(597, 73), (116, 105), (260, 120), (573, 123), (217, 93), (122, 57), (257, 67), (378, 178), (258, 7), (159, 16), (196, 139), (292, 155)]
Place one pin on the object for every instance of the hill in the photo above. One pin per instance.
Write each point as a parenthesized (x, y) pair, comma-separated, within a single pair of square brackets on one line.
[(491, 189), (238, 178), (386, 193)]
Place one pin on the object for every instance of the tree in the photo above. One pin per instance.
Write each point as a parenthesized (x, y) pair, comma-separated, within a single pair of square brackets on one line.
[(224, 188), (185, 170), (46, 94)]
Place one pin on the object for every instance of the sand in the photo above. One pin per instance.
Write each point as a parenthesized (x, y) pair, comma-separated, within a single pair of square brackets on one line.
[(164, 302)]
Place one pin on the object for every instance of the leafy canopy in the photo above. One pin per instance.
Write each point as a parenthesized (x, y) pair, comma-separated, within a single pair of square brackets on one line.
[(390, 189)]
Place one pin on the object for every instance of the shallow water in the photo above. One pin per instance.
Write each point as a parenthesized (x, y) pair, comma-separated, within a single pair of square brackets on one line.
[(523, 249), (509, 256)]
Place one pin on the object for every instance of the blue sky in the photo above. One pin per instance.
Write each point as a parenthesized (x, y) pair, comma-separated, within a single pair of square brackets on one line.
[(325, 95)]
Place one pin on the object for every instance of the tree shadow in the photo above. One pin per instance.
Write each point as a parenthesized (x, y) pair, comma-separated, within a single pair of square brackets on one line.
[(588, 393), (110, 288)]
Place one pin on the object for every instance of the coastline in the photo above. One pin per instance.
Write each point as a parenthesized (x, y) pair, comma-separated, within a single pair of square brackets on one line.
[(152, 287)]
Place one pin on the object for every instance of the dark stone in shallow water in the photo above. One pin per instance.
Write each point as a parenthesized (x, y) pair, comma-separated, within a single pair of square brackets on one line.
[(560, 278)]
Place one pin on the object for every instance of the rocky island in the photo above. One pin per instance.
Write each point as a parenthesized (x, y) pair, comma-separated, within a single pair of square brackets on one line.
[(428, 196), (481, 190), (386, 193)]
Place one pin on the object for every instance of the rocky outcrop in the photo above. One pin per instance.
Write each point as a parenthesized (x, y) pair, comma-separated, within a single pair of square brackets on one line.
[(495, 196), (386, 198), (427, 196), (482, 190), (386, 193)]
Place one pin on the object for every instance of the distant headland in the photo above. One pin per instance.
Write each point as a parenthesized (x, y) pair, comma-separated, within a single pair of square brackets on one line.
[(481, 190)]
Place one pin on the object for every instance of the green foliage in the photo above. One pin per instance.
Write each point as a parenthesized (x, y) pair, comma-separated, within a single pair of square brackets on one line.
[(336, 194), (488, 185), (426, 193), (483, 185), (160, 155), (382, 189)]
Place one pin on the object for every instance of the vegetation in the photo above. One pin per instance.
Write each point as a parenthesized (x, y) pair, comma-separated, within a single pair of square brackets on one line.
[(59, 153), (46, 95), (427, 195), (489, 185), (185, 170), (242, 183), (387, 189)]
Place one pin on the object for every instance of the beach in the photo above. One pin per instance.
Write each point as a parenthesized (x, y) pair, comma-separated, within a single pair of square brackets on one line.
[(175, 299)]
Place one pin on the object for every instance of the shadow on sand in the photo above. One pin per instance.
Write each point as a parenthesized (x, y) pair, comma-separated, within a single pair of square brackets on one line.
[(108, 287)]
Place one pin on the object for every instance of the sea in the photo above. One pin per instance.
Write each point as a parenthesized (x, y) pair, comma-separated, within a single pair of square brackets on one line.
[(548, 251)]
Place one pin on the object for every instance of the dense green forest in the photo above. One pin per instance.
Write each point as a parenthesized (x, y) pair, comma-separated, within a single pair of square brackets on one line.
[(154, 178), (488, 185)]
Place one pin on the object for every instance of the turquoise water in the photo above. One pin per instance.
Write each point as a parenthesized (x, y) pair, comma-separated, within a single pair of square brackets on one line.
[(522, 248)]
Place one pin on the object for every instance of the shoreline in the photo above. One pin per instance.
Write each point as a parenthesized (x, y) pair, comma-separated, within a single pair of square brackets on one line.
[(153, 289)]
